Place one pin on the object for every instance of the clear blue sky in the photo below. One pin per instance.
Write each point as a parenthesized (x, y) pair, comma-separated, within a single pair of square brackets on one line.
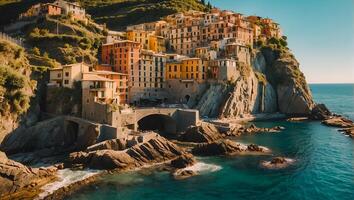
[(320, 33)]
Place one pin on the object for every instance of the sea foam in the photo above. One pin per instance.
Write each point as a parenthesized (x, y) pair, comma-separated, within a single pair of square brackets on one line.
[(201, 167), (66, 177)]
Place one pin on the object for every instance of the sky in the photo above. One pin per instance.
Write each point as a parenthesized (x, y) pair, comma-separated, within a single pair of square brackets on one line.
[(320, 33)]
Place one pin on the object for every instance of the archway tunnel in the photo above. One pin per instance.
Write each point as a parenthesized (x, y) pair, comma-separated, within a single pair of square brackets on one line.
[(163, 124), (71, 133)]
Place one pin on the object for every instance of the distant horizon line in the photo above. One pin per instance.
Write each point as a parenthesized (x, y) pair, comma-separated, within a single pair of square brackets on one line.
[(331, 83)]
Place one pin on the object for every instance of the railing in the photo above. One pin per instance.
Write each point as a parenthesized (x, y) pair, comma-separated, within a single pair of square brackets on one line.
[(4, 36)]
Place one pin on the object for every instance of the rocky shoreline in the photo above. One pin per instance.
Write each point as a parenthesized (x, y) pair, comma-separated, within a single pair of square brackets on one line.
[(139, 151)]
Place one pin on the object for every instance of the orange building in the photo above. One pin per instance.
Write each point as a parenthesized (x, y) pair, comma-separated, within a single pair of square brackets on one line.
[(50, 9), (123, 55)]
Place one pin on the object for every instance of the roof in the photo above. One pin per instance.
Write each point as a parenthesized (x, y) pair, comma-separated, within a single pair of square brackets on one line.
[(94, 77), (107, 72), (120, 41)]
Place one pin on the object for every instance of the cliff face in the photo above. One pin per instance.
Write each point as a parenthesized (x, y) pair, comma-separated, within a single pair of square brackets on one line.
[(294, 96), (274, 83)]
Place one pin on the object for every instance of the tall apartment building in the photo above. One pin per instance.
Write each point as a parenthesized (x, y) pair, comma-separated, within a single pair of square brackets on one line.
[(123, 55), (149, 78)]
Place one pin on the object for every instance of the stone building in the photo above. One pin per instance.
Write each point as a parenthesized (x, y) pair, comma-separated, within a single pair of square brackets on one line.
[(223, 69), (97, 93), (67, 75), (73, 9), (41, 9)]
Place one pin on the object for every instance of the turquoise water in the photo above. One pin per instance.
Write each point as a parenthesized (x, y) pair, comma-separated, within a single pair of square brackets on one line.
[(324, 167)]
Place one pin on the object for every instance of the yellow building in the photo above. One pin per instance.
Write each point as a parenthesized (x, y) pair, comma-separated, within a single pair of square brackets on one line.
[(187, 69), (173, 70), (147, 39)]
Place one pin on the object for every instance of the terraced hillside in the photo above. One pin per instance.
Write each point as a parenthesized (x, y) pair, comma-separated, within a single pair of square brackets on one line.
[(115, 13)]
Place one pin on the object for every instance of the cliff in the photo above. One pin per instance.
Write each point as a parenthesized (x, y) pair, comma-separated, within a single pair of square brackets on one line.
[(274, 83)]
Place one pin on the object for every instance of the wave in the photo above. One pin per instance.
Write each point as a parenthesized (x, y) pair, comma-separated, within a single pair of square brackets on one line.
[(201, 167), (66, 178)]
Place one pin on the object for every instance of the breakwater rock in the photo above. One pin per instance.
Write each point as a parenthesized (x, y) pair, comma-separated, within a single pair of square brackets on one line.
[(20, 182)]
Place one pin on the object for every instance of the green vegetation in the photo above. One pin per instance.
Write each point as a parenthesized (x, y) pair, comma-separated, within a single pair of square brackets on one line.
[(16, 88), (61, 40), (115, 13)]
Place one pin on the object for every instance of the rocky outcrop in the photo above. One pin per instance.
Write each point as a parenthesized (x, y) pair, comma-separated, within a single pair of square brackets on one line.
[(205, 132), (183, 161), (242, 100), (277, 163), (153, 151), (62, 133), (320, 112), (254, 129), (213, 99), (282, 71), (21, 182), (339, 122), (226, 147)]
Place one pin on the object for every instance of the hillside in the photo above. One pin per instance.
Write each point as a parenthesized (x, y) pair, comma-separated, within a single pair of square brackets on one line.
[(16, 86), (115, 13), (64, 40)]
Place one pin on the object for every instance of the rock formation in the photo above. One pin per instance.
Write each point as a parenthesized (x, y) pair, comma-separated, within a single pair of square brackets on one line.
[(63, 133), (282, 71), (226, 147), (205, 132), (153, 151), (277, 163), (21, 182), (274, 83)]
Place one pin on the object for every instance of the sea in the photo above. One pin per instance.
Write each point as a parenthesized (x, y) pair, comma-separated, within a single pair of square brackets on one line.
[(323, 167)]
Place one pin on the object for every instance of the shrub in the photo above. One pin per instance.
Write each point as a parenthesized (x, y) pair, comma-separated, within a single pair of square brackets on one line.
[(36, 51)]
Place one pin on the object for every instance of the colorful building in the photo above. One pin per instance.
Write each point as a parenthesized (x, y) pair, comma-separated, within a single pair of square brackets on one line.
[(148, 82), (123, 56), (187, 69)]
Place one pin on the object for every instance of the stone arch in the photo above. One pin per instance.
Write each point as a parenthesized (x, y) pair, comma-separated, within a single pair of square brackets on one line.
[(165, 125)]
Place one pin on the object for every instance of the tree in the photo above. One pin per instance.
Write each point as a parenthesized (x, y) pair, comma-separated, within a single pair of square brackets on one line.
[(209, 5), (203, 2)]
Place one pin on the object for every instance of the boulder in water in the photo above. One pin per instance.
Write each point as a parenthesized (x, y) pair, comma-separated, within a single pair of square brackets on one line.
[(277, 163), (205, 132)]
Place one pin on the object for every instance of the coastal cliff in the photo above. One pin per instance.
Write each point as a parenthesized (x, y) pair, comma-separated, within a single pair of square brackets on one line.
[(274, 83)]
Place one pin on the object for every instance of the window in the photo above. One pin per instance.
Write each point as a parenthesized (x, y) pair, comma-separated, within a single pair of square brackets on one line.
[(66, 82), (66, 74), (59, 75)]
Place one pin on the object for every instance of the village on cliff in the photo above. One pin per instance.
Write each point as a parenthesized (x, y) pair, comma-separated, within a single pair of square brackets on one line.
[(166, 62)]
